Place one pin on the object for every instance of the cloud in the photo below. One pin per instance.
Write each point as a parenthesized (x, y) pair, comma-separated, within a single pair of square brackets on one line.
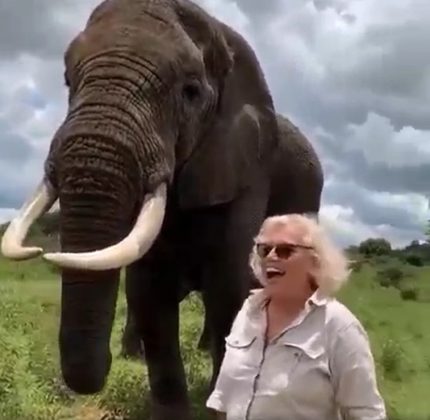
[(347, 229), (407, 212), (7, 214), (381, 144), (353, 74), (45, 26)]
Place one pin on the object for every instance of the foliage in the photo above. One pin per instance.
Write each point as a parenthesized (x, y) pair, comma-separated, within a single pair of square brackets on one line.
[(375, 246), (390, 276), (378, 249), (409, 293), (414, 259), (421, 250), (392, 360)]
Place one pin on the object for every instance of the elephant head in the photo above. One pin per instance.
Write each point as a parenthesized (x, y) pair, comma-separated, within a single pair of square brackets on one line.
[(153, 101)]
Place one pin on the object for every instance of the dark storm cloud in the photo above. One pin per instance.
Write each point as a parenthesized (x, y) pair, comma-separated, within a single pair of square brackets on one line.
[(14, 148), (383, 68), (20, 165), (11, 198), (29, 26), (351, 165), (371, 208), (383, 178), (38, 27), (259, 10), (393, 79), (18, 180)]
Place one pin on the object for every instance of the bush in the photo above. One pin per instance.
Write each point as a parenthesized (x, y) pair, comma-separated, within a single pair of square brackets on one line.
[(409, 293), (392, 360), (390, 276), (415, 260), (375, 246), (356, 265)]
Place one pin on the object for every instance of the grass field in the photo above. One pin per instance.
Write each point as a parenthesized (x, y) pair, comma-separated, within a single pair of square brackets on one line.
[(31, 388)]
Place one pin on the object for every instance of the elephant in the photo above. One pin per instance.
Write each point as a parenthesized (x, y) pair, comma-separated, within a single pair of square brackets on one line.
[(166, 163), (302, 194)]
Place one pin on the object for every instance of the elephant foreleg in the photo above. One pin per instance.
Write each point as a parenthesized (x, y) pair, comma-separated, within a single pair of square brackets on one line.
[(153, 301), (131, 342), (226, 275)]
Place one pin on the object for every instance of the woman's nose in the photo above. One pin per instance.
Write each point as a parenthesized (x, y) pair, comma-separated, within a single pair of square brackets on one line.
[(272, 255)]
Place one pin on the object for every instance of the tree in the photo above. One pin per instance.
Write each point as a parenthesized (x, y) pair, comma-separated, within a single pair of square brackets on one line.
[(375, 247)]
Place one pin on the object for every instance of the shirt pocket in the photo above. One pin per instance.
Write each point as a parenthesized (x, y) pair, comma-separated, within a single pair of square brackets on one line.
[(308, 377), (241, 355), (293, 368), (239, 341)]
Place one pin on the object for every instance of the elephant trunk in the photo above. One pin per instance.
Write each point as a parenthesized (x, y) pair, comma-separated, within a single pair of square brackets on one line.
[(90, 219), (88, 303)]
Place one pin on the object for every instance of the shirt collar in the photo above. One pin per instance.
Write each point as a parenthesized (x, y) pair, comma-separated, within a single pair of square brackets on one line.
[(258, 299), (318, 298)]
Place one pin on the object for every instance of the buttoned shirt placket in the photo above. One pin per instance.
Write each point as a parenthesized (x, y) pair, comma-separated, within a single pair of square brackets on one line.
[(266, 347)]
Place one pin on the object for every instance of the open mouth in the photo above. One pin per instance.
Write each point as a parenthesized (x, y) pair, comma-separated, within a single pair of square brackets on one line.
[(272, 272)]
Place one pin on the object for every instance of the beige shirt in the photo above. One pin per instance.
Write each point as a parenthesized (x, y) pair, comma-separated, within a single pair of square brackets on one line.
[(319, 368)]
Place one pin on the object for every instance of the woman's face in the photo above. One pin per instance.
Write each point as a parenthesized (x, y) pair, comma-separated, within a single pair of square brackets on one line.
[(287, 260)]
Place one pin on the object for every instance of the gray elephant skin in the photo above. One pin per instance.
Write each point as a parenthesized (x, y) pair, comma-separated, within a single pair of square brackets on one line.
[(296, 161), (167, 162)]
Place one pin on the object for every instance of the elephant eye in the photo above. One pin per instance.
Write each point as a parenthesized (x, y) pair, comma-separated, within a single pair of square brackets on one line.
[(191, 91)]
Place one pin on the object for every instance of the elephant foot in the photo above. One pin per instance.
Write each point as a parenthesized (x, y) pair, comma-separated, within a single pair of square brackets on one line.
[(178, 411)]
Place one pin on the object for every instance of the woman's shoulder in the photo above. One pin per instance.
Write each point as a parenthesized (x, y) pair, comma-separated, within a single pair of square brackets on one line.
[(252, 304), (339, 317), (249, 311)]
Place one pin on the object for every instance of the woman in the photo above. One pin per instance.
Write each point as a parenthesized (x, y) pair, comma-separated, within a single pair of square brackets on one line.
[(294, 352)]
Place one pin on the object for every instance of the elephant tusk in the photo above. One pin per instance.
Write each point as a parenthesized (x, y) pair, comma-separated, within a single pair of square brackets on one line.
[(13, 238), (130, 249)]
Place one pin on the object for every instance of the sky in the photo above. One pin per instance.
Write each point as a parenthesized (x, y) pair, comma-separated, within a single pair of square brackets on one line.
[(354, 75)]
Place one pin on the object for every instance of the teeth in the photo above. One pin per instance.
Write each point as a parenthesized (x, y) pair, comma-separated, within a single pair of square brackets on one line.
[(273, 271)]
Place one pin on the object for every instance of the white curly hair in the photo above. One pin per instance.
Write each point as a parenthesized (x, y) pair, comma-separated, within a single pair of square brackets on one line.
[(333, 266)]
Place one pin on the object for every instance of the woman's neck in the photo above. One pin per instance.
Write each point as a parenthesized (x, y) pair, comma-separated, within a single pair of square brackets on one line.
[(281, 312), (287, 305)]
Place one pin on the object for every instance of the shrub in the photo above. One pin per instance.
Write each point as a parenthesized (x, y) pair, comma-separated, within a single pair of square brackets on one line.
[(409, 293), (375, 246), (392, 359), (356, 265), (390, 276), (415, 260)]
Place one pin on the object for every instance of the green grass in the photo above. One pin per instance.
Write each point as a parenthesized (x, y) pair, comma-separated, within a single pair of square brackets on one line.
[(30, 382)]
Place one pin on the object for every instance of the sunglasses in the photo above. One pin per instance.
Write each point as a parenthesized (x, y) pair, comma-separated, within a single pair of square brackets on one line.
[(283, 251)]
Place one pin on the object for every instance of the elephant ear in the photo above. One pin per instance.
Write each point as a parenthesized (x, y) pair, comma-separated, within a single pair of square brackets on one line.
[(206, 34), (227, 158), (225, 163)]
